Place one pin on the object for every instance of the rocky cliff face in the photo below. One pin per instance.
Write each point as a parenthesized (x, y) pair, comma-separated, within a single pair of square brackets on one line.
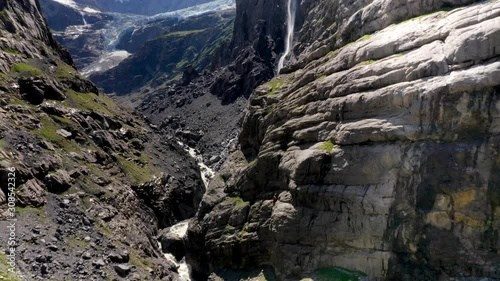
[(376, 151), (257, 40), (94, 181)]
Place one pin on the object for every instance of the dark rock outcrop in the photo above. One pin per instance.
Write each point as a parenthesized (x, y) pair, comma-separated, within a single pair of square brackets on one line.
[(257, 41), (58, 182), (172, 199), (188, 75), (35, 91)]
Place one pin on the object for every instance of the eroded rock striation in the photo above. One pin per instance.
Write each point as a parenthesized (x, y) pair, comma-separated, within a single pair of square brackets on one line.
[(375, 151)]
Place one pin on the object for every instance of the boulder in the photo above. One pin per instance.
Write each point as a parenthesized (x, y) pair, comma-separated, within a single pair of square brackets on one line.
[(31, 93), (35, 90), (188, 75), (122, 269), (63, 133), (172, 243), (190, 135), (58, 182), (99, 263), (104, 139), (118, 257), (54, 108), (32, 193)]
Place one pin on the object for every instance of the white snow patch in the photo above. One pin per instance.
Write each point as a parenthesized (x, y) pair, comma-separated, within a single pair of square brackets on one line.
[(90, 10), (75, 31), (217, 5), (106, 62), (69, 3)]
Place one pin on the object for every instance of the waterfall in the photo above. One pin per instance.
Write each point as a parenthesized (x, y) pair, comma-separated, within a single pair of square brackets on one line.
[(183, 268), (83, 18), (180, 229), (206, 172), (289, 34)]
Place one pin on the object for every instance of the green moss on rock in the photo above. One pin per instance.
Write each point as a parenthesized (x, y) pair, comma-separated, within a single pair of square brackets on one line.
[(25, 69), (74, 242), (65, 71), (48, 132), (92, 102), (237, 201), (183, 33), (135, 172), (335, 274), (327, 146), (275, 86)]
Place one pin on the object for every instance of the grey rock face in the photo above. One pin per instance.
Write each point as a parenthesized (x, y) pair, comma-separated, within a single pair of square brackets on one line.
[(328, 25), (15, 20), (172, 199), (380, 156)]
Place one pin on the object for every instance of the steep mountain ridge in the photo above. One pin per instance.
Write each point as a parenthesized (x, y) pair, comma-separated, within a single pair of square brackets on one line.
[(29, 27), (97, 39), (141, 7), (374, 151), (163, 49), (85, 167)]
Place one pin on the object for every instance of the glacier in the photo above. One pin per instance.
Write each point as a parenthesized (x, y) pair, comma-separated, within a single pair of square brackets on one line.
[(121, 23)]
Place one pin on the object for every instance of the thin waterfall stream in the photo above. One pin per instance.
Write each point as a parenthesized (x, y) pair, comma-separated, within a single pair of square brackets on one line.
[(183, 267), (83, 19), (289, 34), (180, 229)]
